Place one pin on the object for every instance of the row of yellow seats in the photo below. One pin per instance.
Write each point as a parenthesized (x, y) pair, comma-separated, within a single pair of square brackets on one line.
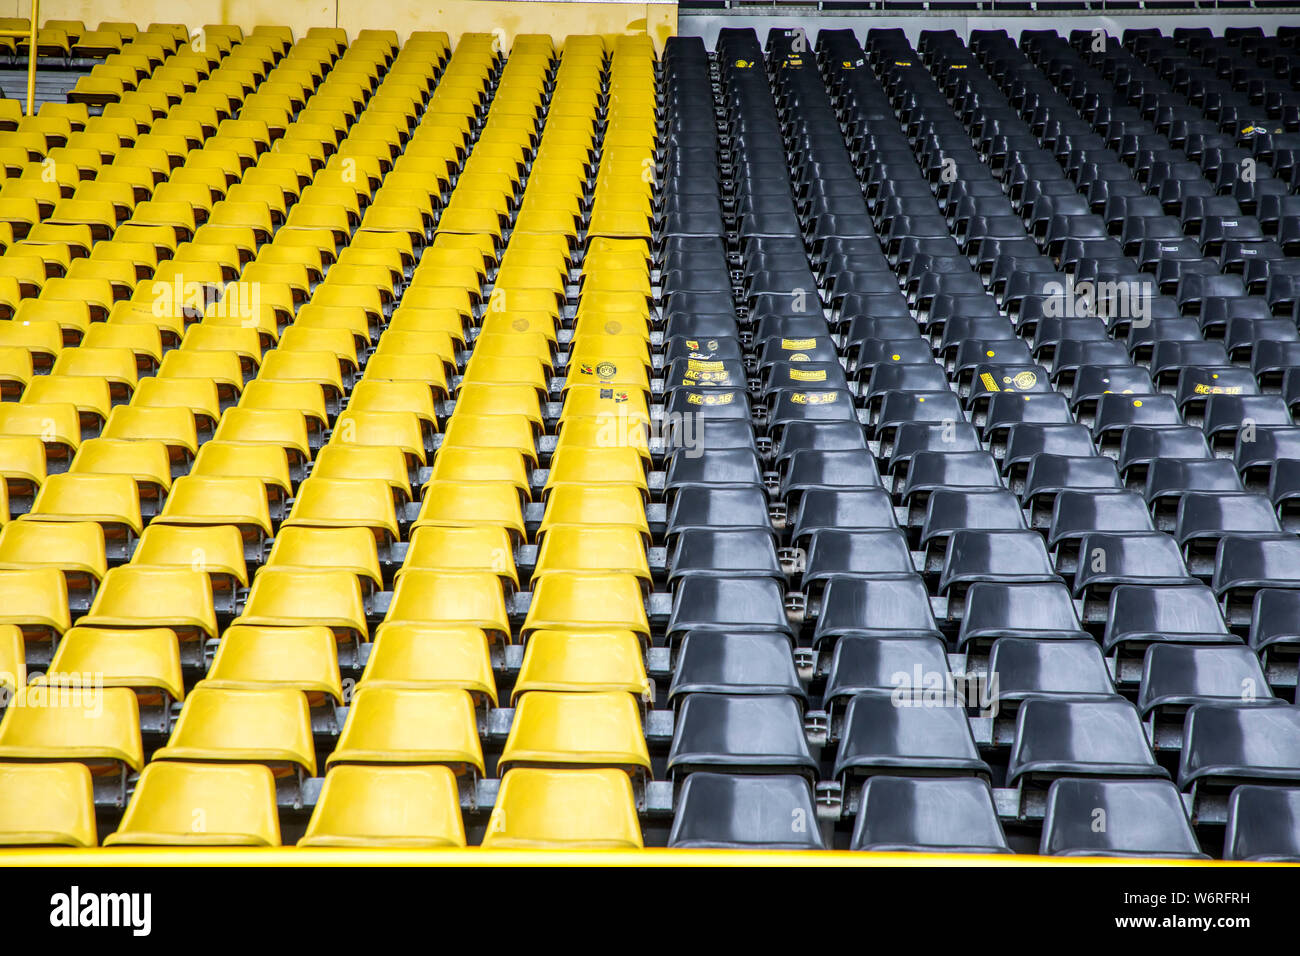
[(197, 805)]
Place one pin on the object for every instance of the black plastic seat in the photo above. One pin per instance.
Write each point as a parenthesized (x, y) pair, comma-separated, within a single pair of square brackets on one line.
[(705, 507), (1275, 624), (1010, 557), (1108, 559), (1060, 737), (1203, 519), (1140, 615), (1244, 564), (710, 603), (742, 812), (1078, 513), (735, 662), (875, 607), (1050, 476), (924, 814), (820, 508), (1176, 676), (712, 552), (1130, 818), (1226, 744), (850, 470), (862, 663), (898, 735), (760, 734), (1035, 611), (713, 467), (1263, 824), (834, 553)]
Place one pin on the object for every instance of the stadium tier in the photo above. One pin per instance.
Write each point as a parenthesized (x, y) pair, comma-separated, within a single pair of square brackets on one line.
[(818, 442)]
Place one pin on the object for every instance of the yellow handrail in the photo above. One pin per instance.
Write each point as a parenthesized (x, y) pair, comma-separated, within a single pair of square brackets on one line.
[(31, 54)]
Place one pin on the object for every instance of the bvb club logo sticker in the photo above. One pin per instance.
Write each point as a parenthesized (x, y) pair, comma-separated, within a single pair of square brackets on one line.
[(606, 370), (1025, 380)]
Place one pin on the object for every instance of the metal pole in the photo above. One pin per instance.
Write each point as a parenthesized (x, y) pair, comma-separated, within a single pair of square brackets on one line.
[(31, 60)]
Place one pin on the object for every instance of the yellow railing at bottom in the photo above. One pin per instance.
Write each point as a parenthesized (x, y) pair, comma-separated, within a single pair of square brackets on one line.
[(291, 856), (31, 54)]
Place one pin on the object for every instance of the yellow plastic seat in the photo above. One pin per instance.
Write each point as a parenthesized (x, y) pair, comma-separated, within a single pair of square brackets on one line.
[(366, 462), (58, 427), (346, 503), (174, 427), (42, 339), (197, 396), (95, 726), (594, 505), (599, 728), (36, 601), (222, 369), (587, 601), (177, 598), (605, 432), (188, 804), (584, 661), (461, 464), (346, 549), (146, 660), (398, 725), (243, 340), (144, 341), (321, 368), (472, 504), (613, 549), (285, 428), (383, 429), (15, 372), (75, 548), (408, 397), (304, 657), (216, 550), (145, 463), (46, 804), (472, 598), (304, 398), (564, 810), (481, 548), (269, 464), (615, 408), (90, 396), (110, 500), (13, 658), (427, 370), (596, 466), (205, 500), (22, 466), (282, 597), (426, 656), (506, 400), (270, 726), (387, 806), (495, 431)]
